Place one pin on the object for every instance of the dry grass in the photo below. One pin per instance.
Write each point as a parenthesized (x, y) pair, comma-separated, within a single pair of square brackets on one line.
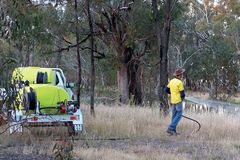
[(216, 127), (202, 95), (124, 122), (143, 133), (217, 139), (135, 153), (131, 122)]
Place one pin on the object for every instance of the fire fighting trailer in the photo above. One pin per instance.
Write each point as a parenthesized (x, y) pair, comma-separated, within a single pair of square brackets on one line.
[(44, 98)]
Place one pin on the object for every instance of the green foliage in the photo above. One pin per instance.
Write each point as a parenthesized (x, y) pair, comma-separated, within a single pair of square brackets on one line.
[(141, 20), (44, 28), (201, 25)]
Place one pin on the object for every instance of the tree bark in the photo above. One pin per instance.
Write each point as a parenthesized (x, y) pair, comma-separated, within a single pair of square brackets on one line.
[(122, 76), (92, 90), (163, 54), (163, 41), (57, 55), (135, 75), (135, 85), (78, 52)]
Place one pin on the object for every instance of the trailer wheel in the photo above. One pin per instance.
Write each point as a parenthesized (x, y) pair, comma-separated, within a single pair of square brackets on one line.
[(32, 100), (29, 101)]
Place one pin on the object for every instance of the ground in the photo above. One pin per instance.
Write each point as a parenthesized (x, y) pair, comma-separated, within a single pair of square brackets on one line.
[(173, 147), (129, 133)]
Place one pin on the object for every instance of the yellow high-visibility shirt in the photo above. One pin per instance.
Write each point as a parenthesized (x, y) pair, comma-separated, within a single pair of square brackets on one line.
[(175, 86)]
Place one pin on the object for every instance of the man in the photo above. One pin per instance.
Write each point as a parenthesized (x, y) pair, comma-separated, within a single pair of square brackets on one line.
[(176, 90)]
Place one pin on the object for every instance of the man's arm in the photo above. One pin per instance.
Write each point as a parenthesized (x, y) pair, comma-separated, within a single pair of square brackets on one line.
[(167, 90), (182, 94), (181, 89)]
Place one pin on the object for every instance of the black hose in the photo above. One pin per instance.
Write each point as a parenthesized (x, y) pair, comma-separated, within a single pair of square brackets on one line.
[(199, 125)]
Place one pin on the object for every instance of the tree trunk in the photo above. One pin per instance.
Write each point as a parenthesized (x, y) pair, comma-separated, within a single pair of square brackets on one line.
[(29, 61), (163, 54), (116, 33), (58, 55), (31, 58), (78, 52), (135, 85), (92, 90), (122, 76), (20, 53), (163, 40)]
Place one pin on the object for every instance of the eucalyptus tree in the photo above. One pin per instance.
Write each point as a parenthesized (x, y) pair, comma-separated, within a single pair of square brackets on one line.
[(29, 32), (21, 27), (226, 20), (35, 29), (5, 48), (210, 59), (116, 30), (163, 16), (90, 21)]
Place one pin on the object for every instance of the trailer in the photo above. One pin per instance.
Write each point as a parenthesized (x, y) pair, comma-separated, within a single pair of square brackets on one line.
[(44, 98)]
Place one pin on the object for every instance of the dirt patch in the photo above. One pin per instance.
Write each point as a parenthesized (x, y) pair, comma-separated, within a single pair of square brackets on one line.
[(16, 153), (139, 147)]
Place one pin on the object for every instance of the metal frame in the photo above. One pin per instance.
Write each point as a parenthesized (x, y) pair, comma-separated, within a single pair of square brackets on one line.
[(76, 120)]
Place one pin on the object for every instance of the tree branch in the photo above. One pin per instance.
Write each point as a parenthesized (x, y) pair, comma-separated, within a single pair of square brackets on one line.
[(71, 46), (101, 55), (67, 40)]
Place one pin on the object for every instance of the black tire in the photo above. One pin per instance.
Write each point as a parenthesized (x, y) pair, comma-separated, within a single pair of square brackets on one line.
[(45, 78), (40, 76), (32, 100), (29, 101)]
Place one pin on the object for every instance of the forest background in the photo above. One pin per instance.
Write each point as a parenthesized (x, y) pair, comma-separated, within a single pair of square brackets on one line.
[(123, 50)]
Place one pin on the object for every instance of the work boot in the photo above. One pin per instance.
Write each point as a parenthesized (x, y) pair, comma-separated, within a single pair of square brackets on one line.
[(170, 132), (176, 133)]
